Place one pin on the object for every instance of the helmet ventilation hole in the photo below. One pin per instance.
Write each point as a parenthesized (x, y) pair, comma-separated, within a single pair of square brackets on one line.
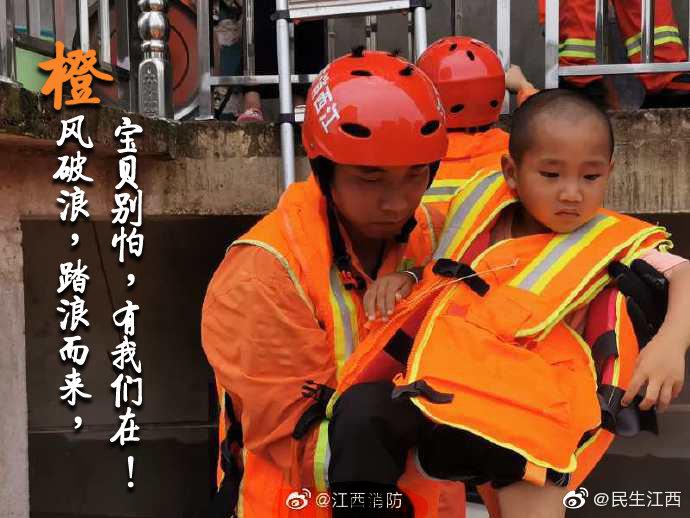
[(470, 55), (494, 103), (430, 127), (360, 73), (456, 108), (453, 47), (356, 130), (407, 71)]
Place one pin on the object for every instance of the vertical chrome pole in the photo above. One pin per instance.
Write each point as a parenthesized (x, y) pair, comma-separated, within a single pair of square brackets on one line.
[(647, 26), (551, 48)]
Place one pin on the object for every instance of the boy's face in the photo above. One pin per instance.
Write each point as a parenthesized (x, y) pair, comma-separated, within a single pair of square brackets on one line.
[(562, 178), (377, 201)]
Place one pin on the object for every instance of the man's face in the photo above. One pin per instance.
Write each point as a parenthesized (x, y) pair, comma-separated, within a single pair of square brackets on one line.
[(376, 202), (562, 178)]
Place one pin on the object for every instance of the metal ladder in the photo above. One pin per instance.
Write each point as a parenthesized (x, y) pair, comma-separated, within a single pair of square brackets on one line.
[(287, 11)]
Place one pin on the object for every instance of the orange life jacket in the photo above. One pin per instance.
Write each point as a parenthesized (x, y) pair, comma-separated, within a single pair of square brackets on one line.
[(513, 371), (296, 233), (467, 153)]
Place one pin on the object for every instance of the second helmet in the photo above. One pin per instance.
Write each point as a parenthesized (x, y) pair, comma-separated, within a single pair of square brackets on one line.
[(469, 77)]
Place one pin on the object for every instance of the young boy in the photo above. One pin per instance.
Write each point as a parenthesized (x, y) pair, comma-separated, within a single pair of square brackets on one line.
[(498, 364)]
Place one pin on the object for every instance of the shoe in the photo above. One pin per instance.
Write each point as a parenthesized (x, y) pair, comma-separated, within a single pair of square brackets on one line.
[(251, 115), (676, 94)]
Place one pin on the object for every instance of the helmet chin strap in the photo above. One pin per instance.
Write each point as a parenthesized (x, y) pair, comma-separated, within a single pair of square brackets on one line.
[(341, 258)]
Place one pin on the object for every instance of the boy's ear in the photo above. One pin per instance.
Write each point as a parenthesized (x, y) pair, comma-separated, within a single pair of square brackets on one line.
[(509, 168)]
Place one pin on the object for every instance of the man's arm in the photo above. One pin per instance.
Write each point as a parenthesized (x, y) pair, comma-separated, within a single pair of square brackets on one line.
[(263, 343)]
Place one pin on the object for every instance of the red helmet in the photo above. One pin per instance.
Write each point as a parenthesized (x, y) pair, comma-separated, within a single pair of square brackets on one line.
[(470, 78), (374, 108)]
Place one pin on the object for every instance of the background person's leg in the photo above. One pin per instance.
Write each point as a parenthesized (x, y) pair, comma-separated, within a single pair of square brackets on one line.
[(668, 46)]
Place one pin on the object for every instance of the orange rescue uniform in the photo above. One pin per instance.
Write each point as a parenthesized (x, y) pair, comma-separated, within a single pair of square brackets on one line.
[(275, 315)]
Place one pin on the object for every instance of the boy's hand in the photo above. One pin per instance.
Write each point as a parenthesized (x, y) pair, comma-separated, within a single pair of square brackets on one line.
[(661, 366), (384, 293)]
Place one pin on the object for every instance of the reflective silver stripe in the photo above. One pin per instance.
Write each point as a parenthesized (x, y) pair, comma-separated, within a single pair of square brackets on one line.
[(633, 44), (437, 191), (578, 48), (338, 290), (458, 220), (558, 252)]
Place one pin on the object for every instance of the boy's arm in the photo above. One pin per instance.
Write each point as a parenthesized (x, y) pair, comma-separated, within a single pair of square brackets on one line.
[(661, 364)]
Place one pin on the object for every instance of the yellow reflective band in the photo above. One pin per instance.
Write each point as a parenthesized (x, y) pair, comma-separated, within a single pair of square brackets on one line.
[(558, 253), (437, 198), (588, 443), (636, 38), (578, 41), (322, 457), (571, 254), (620, 298), (662, 35), (588, 352), (577, 54), (573, 300), (443, 190), (430, 227), (464, 212), (344, 319), (449, 182), (577, 48), (240, 494), (413, 369)]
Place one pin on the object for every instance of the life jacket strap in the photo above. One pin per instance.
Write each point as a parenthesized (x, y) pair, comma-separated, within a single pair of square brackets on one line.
[(322, 395), (422, 388), (458, 270), (624, 421)]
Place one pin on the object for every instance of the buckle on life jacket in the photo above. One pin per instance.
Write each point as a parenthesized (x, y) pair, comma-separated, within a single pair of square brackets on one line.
[(322, 394), (624, 421), (450, 268), (422, 388)]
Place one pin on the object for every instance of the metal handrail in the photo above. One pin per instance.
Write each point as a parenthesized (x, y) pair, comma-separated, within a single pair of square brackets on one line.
[(647, 65)]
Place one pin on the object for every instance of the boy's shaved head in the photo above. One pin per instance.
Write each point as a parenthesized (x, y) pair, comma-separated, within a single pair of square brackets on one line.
[(536, 112)]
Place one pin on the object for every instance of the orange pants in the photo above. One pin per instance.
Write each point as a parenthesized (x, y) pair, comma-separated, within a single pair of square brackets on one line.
[(577, 38)]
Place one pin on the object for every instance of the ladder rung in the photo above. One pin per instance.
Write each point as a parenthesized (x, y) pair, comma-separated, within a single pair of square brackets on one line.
[(259, 80), (623, 68)]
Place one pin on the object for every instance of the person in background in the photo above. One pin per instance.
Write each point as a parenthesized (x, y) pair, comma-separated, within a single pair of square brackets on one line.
[(578, 45)]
